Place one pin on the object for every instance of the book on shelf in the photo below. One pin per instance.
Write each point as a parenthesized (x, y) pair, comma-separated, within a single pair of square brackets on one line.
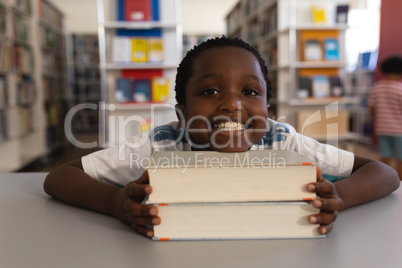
[(121, 49), (312, 50), (246, 220), (155, 49), (247, 195), (137, 10), (341, 15), (160, 89), (321, 86), (331, 49), (123, 91), (189, 177), (142, 90), (304, 87), (336, 86), (319, 15), (139, 48)]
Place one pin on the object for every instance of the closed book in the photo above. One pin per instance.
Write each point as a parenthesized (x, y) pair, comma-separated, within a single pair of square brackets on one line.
[(321, 87), (121, 49), (139, 50), (331, 49), (155, 50), (215, 221), (204, 176), (137, 10), (142, 90), (123, 90), (312, 50), (160, 89)]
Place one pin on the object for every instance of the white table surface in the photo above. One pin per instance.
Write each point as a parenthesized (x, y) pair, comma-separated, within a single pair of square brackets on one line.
[(38, 231)]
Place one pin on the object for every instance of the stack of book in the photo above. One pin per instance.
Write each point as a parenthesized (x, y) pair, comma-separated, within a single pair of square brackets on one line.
[(248, 195)]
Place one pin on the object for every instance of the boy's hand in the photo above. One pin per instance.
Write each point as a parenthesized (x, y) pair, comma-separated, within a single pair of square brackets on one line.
[(328, 202), (129, 210)]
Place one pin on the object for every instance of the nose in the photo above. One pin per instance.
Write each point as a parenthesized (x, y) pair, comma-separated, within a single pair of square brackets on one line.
[(230, 104)]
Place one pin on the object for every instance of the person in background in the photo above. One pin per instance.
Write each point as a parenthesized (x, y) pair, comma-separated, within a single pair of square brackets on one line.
[(385, 102)]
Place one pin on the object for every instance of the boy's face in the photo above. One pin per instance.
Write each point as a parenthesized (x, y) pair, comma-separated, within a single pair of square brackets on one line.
[(226, 103)]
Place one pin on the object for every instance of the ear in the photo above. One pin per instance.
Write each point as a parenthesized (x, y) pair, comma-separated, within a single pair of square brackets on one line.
[(180, 113)]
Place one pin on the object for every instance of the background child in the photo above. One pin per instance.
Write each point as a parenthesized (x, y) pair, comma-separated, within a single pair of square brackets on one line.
[(222, 89), (385, 103)]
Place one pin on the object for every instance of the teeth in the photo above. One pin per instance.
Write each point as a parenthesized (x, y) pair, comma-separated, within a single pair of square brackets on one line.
[(229, 126)]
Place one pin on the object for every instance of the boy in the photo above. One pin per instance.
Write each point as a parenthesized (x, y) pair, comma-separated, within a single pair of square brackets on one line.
[(385, 103), (222, 89)]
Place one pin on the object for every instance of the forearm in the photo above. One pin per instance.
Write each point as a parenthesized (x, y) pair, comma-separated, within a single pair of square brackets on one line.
[(72, 185), (371, 181)]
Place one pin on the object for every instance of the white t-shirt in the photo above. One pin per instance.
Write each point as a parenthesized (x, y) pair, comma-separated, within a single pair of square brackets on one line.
[(125, 163)]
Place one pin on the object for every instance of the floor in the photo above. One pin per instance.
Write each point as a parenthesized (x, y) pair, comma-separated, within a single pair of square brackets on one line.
[(72, 153)]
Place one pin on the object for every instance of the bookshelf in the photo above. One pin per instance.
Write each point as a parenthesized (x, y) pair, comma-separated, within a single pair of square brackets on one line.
[(84, 80), (53, 77), (23, 114), (304, 51), (130, 73)]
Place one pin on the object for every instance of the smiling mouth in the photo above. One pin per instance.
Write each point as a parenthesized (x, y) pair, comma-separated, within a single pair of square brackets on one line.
[(230, 126)]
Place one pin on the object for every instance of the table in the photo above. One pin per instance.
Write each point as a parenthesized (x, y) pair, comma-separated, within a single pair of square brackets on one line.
[(39, 231)]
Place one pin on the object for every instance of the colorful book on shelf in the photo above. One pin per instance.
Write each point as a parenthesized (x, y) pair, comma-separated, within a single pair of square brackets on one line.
[(331, 49), (312, 50), (137, 10), (123, 91), (160, 89), (321, 86), (121, 49), (249, 195), (139, 48), (319, 15), (190, 177), (142, 89), (155, 50), (342, 14)]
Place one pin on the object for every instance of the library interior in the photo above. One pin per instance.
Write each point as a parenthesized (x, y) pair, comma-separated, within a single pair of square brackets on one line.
[(72, 73)]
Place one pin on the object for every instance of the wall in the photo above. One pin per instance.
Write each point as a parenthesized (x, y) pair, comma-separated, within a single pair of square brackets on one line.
[(198, 17)]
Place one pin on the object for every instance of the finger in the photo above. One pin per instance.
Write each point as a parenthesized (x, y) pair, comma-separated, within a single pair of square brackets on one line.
[(319, 174), (145, 220), (325, 187), (144, 179), (142, 230), (325, 229), (134, 189), (135, 210), (323, 218), (328, 204)]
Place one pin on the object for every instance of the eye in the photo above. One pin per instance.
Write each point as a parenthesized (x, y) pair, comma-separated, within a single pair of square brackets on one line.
[(250, 92), (210, 91)]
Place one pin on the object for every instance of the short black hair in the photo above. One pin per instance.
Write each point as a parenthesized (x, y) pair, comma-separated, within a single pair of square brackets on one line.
[(185, 69), (392, 65)]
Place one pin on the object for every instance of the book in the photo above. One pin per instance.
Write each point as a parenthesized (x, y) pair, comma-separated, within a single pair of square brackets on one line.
[(319, 15), (139, 48), (123, 91), (155, 49), (321, 86), (160, 89), (121, 49), (342, 14), (137, 10), (247, 220), (252, 176), (331, 49), (305, 87), (142, 90), (312, 50)]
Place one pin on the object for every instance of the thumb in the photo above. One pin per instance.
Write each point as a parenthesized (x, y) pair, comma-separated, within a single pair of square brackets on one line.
[(319, 174), (144, 179)]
